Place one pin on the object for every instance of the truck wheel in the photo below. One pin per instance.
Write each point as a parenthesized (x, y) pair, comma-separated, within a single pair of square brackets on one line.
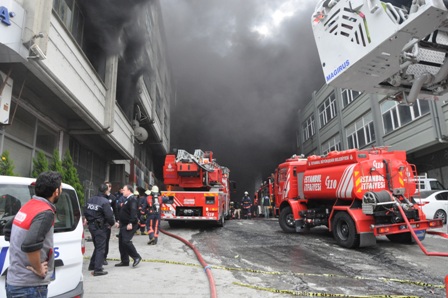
[(286, 220), (440, 214), (344, 230)]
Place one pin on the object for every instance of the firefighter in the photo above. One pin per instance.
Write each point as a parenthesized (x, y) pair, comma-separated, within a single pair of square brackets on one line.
[(246, 203), (153, 202), (99, 215), (232, 209), (255, 211), (142, 210)]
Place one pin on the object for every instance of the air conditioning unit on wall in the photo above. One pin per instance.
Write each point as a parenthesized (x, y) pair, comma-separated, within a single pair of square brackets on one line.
[(5, 97)]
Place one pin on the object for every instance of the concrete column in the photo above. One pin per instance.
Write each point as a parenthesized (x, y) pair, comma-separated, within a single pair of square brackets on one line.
[(111, 87)]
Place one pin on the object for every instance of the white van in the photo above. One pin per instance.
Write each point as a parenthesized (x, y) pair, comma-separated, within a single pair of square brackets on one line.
[(68, 235), (424, 183)]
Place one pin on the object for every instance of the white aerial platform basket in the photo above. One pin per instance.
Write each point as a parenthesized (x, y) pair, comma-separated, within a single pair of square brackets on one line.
[(377, 47)]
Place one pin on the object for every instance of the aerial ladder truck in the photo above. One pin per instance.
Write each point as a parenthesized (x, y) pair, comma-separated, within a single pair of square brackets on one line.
[(198, 189)]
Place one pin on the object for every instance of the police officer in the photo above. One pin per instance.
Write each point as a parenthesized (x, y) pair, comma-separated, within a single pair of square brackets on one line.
[(99, 214)]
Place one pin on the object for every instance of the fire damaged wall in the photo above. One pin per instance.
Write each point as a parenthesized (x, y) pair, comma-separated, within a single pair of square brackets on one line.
[(114, 27)]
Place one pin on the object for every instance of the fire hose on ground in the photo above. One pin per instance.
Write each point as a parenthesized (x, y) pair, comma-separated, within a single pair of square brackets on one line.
[(206, 267), (432, 254)]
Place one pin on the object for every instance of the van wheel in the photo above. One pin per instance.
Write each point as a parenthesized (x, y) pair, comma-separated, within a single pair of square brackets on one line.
[(286, 220), (344, 230), (440, 214)]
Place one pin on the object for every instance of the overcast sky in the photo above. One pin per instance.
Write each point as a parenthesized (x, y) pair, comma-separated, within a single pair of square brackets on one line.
[(242, 70)]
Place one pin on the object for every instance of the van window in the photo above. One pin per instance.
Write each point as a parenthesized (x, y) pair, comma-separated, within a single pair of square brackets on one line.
[(436, 185), (13, 196)]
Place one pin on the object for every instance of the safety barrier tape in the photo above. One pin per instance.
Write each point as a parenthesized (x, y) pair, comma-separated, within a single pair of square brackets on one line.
[(404, 281), (384, 279), (317, 294)]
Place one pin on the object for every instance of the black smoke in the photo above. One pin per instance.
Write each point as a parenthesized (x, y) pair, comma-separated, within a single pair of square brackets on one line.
[(238, 93), (116, 27)]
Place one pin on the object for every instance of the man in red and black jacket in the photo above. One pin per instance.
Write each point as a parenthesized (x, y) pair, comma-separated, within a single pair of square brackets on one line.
[(31, 254)]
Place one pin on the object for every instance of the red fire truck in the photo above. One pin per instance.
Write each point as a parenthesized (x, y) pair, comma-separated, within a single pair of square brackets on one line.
[(197, 188), (357, 194)]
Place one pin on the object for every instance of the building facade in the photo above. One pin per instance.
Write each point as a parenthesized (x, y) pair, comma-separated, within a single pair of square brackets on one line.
[(340, 119), (76, 76)]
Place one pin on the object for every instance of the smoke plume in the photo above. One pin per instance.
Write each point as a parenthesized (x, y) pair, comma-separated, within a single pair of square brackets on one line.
[(238, 87)]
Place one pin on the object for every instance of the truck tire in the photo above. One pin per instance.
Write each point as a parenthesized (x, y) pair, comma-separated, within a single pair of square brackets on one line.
[(344, 230), (286, 220)]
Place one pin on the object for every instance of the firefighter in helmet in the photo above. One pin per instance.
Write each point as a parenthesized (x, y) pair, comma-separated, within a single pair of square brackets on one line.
[(246, 204), (153, 202)]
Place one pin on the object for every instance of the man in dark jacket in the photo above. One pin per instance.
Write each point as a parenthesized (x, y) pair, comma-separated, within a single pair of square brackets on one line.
[(128, 226), (113, 203), (100, 217)]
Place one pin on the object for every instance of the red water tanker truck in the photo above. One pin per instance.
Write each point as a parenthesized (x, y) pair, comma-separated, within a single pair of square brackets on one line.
[(357, 194)]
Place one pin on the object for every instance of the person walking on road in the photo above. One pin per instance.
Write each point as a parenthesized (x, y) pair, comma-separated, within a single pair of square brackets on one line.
[(30, 233), (128, 226), (266, 205), (237, 213), (100, 218), (154, 200)]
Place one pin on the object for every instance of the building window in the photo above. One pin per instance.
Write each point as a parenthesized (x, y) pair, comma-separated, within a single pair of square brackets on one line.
[(361, 133), (72, 17), (327, 110), (334, 144), (46, 139), (308, 128), (348, 96), (396, 115)]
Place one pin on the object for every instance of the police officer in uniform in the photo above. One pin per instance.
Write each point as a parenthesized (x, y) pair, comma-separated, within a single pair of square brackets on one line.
[(99, 215)]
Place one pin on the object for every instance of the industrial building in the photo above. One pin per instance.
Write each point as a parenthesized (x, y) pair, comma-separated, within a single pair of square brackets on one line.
[(340, 119), (90, 78)]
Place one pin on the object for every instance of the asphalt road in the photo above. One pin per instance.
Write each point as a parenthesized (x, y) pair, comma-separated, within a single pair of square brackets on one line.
[(254, 258)]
